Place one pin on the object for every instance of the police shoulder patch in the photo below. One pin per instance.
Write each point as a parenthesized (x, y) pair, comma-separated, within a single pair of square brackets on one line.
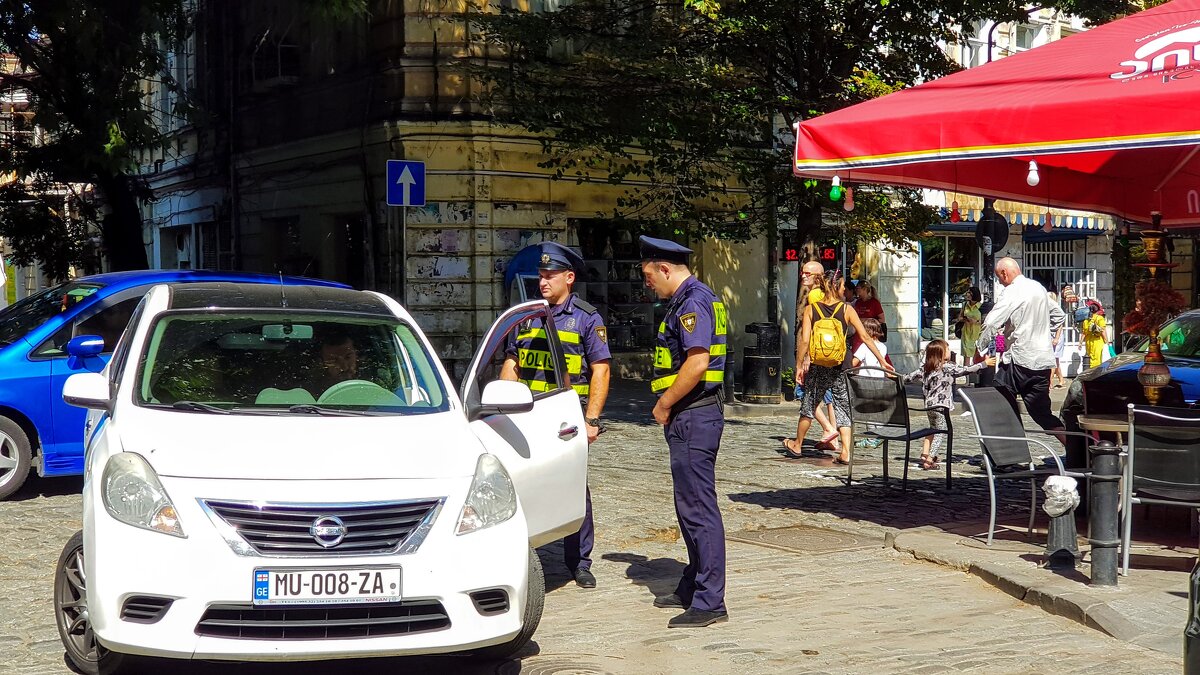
[(602, 333), (688, 321)]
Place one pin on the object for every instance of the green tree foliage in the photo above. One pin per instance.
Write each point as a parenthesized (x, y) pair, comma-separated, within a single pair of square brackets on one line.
[(82, 64), (691, 103)]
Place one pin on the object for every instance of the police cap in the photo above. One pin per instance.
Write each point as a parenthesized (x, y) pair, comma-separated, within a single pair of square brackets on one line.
[(555, 256), (663, 249)]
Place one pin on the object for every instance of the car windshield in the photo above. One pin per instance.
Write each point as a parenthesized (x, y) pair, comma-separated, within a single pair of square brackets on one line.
[(288, 363), (32, 311), (1180, 337)]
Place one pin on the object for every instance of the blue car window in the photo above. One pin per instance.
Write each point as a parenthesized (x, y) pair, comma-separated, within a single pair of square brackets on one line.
[(28, 313), (108, 323)]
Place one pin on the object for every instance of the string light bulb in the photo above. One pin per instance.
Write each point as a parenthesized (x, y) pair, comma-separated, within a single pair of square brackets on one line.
[(955, 216), (835, 192), (1048, 226), (849, 205), (1034, 177)]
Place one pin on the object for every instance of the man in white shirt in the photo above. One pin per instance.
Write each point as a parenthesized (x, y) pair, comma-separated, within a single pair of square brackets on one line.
[(1026, 318)]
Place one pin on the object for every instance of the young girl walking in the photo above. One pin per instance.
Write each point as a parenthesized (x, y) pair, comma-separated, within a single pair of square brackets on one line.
[(937, 378)]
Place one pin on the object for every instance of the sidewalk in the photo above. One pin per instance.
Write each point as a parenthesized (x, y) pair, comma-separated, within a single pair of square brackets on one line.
[(1149, 607)]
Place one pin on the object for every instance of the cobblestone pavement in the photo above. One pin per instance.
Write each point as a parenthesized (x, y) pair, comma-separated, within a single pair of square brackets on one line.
[(801, 600)]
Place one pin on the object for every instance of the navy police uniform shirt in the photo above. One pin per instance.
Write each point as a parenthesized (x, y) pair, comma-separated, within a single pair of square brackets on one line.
[(695, 318), (584, 339)]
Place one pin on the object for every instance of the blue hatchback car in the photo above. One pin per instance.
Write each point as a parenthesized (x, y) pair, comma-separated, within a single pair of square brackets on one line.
[(36, 428)]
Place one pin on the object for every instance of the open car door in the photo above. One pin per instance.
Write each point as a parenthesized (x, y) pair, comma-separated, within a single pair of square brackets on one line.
[(543, 449)]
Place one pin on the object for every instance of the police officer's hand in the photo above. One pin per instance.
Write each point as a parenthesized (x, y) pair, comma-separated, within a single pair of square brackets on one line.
[(592, 433), (662, 414)]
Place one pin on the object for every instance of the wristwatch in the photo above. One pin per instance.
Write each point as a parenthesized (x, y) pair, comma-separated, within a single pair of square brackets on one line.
[(592, 421)]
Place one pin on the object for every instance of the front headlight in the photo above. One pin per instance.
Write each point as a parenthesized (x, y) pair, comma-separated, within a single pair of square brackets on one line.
[(492, 498), (133, 495)]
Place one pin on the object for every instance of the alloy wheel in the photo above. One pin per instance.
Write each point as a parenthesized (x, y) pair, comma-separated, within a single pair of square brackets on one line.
[(8, 458), (72, 607)]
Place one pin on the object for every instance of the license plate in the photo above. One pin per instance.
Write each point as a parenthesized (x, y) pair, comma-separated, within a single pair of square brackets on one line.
[(328, 585)]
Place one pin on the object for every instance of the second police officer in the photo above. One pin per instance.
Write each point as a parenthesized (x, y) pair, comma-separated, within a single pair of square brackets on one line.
[(689, 365), (584, 340)]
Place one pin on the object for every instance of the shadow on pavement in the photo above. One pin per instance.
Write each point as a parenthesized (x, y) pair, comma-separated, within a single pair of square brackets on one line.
[(36, 487), (659, 576), (456, 665)]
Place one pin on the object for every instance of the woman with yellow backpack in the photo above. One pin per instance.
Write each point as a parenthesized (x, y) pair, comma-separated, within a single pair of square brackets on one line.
[(821, 354)]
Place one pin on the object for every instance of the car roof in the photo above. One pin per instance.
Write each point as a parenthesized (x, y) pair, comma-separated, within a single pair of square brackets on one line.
[(226, 295), (120, 280)]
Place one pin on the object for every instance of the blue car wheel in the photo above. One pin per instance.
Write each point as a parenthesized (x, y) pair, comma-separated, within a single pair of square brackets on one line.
[(15, 457)]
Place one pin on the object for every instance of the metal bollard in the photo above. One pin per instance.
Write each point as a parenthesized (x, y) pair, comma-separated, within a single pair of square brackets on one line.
[(1191, 631), (1102, 512)]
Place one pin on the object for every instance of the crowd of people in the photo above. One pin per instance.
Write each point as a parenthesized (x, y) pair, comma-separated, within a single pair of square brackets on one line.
[(1023, 337)]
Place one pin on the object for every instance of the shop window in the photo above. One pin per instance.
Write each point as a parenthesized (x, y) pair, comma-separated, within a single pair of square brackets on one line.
[(949, 268)]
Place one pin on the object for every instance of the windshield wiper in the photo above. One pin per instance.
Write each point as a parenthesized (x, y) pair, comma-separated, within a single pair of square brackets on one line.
[(310, 409), (199, 407)]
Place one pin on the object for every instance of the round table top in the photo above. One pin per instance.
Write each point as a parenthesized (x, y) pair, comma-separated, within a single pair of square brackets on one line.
[(1110, 423)]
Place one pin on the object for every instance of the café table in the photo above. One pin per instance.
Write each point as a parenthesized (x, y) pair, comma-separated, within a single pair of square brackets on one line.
[(1111, 423)]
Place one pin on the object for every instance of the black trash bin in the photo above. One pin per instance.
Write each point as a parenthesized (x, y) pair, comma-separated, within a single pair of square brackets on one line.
[(761, 366)]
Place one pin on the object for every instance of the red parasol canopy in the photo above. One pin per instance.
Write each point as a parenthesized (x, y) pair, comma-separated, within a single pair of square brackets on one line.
[(1111, 115)]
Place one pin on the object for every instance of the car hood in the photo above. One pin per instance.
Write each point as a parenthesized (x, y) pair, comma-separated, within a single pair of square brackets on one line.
[(1110, 388), (198, 445)]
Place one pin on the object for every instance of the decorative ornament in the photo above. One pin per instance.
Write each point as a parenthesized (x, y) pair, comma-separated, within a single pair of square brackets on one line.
[(1033, 178), (835, 192), (1156, 304), (849, 205), (955, 216), (1152, 241)]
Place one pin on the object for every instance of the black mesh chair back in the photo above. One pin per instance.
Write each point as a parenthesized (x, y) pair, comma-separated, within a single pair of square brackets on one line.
[(877, 400), (995, 417), (1164, 452)]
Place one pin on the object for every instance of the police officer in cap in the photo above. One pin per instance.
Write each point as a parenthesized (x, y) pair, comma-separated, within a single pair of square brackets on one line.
[(584, 340), (689, 368)]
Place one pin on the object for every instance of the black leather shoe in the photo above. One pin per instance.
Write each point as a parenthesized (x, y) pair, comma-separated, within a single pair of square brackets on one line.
[(585, 578), (671, 601), (697, 618)]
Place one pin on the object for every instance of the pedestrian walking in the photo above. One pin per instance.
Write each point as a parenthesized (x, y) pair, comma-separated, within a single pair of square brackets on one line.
[(1095, 333), (812, 289), (971, 318), (821, 355), (937, 384), (1058, 344), (1024, 316), (584, 340), (689, 368)]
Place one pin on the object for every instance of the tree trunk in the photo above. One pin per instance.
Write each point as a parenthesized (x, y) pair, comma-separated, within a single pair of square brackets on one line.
[(122, 226)]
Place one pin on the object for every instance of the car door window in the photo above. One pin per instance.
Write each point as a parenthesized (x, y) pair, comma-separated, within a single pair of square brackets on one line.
[(534, 355), (121, 352), (109, 322)]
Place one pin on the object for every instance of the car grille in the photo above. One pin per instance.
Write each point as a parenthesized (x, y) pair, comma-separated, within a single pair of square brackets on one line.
[(490, 602), (283, 529), (247, 622), (145, 608)]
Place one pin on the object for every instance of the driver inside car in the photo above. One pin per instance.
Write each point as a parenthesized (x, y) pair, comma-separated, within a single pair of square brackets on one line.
[(338, 362)]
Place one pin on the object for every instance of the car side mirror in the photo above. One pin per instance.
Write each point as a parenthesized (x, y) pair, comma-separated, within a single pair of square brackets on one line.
[(87, 390), (504, 397), (81, 348)]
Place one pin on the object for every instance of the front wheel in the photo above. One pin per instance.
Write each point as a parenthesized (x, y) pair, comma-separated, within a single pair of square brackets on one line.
[(74, 623), (535, 600)]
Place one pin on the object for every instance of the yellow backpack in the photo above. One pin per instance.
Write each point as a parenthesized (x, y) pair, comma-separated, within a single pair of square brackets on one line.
[(827, 343)]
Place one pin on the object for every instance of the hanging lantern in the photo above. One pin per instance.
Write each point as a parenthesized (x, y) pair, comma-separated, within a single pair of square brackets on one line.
[(955, 216), (835, 192)]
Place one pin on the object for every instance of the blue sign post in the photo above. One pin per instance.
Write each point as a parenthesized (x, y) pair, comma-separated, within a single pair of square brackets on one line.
[(405, 187), (405, 183)]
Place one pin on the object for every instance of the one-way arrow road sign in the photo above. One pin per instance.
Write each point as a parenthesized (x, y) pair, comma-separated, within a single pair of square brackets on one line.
[(405, 183)]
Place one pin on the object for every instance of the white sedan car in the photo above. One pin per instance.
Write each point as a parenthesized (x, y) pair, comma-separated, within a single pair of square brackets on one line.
[(283, 474)]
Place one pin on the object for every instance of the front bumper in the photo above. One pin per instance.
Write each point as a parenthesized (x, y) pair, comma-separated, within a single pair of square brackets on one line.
[(207, 581)]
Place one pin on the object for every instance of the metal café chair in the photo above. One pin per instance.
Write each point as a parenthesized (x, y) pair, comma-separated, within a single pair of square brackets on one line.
[(1006, 448), (1162, 464), (882, 403)]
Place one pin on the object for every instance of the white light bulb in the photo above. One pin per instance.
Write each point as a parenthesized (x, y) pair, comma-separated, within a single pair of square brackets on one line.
[(1033, 178)]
